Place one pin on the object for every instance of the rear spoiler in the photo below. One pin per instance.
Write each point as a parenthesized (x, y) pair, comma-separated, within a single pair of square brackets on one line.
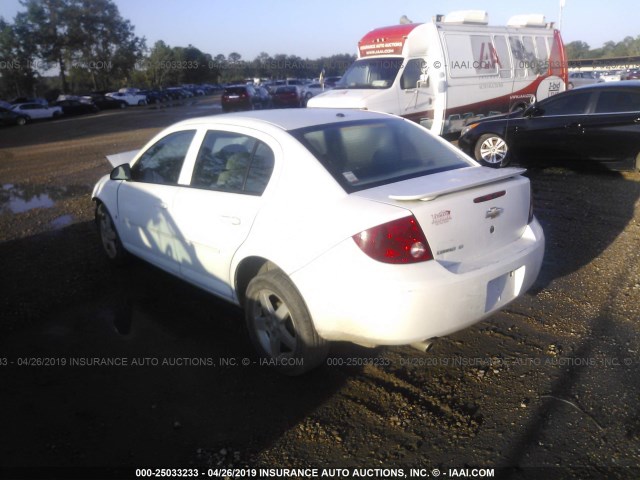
[(118, 159), (457, 180)]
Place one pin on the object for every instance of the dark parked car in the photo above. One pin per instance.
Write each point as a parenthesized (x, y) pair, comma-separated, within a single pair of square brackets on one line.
[(287, 96), (596, 123), (9, 117), (632, 74), (154, 96), (108, 103), (239, 97), (75, 107), (175, 93), (264, 97)]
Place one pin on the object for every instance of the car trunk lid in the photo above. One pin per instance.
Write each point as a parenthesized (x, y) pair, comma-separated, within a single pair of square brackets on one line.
[(465, 213)]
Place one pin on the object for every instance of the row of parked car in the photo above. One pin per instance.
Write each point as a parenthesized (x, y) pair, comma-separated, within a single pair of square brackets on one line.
[(23, 110), (581, 78), (278, 94)]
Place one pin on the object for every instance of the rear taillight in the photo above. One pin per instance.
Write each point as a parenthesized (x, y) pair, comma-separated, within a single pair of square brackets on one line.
[(399, 241)]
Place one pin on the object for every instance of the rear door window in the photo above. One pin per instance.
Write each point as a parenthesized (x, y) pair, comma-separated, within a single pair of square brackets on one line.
[(232, 162), (618, 101), (570, 104)]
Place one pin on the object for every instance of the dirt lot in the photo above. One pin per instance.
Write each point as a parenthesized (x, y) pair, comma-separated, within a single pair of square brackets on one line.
[(549, 388)]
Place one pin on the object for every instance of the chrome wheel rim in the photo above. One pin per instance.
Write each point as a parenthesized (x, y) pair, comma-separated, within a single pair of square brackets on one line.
[(493, 150), (273, 324)]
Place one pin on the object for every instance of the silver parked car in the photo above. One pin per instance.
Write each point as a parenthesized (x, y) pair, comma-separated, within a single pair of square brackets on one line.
[(579, 79)]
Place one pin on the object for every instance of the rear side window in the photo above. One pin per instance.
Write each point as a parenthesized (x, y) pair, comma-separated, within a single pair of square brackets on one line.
[(571, 104), (618, 101), (162, 162), (231, 162), (365, 154)]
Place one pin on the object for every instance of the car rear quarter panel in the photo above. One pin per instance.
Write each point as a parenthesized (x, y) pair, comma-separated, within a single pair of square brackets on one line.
[(305, 213)]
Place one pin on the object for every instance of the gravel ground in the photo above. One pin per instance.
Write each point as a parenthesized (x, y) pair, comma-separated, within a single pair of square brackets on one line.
[(549, 386)]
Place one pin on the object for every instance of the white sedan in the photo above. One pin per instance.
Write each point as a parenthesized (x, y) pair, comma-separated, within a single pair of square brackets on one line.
[(37, 111), (313, 89), (131, 98), (325, 225)]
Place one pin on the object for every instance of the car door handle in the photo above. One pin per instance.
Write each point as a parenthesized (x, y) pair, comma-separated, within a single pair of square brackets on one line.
[(230, 219), (574, 125)]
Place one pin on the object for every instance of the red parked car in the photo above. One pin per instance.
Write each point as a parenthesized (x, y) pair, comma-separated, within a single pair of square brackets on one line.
[(287, 96)]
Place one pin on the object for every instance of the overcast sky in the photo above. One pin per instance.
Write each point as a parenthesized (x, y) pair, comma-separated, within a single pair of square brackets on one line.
[(327, 27)]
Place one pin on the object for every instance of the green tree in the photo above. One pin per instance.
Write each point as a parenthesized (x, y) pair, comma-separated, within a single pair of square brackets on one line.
[(18, 54), (48, 25), (109, 49), (577, 50), (87, 37), (158, 65)]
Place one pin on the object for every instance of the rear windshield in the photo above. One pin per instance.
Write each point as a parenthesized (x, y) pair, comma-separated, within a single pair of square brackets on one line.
[(365, 154), (234, 90)]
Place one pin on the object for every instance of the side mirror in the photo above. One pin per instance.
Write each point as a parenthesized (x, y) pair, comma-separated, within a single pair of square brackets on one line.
[(532, 111), (121, 172)]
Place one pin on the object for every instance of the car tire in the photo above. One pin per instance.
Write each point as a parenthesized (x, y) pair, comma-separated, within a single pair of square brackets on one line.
[(21, 121), (280, 326), (111, 244), (141, 103), (491, 150)]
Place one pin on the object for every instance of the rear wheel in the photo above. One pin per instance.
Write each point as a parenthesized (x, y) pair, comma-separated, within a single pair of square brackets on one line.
[(21, 121), (280, 326), (492, 150), (111, 243)]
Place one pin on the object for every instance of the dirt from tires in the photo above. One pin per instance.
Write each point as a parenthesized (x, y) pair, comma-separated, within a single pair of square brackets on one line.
[(104, 367)]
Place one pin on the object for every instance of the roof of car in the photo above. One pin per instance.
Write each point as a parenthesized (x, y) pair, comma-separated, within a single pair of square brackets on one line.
[(620, 84), (289, 119)]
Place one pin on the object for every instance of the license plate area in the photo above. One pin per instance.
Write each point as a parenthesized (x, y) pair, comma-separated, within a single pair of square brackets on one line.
[(504, 288)]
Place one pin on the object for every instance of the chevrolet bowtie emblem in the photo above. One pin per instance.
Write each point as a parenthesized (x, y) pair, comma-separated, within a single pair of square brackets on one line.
[(493, 212)]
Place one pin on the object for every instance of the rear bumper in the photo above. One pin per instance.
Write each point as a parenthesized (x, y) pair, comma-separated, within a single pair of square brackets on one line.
[(352, 297)]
